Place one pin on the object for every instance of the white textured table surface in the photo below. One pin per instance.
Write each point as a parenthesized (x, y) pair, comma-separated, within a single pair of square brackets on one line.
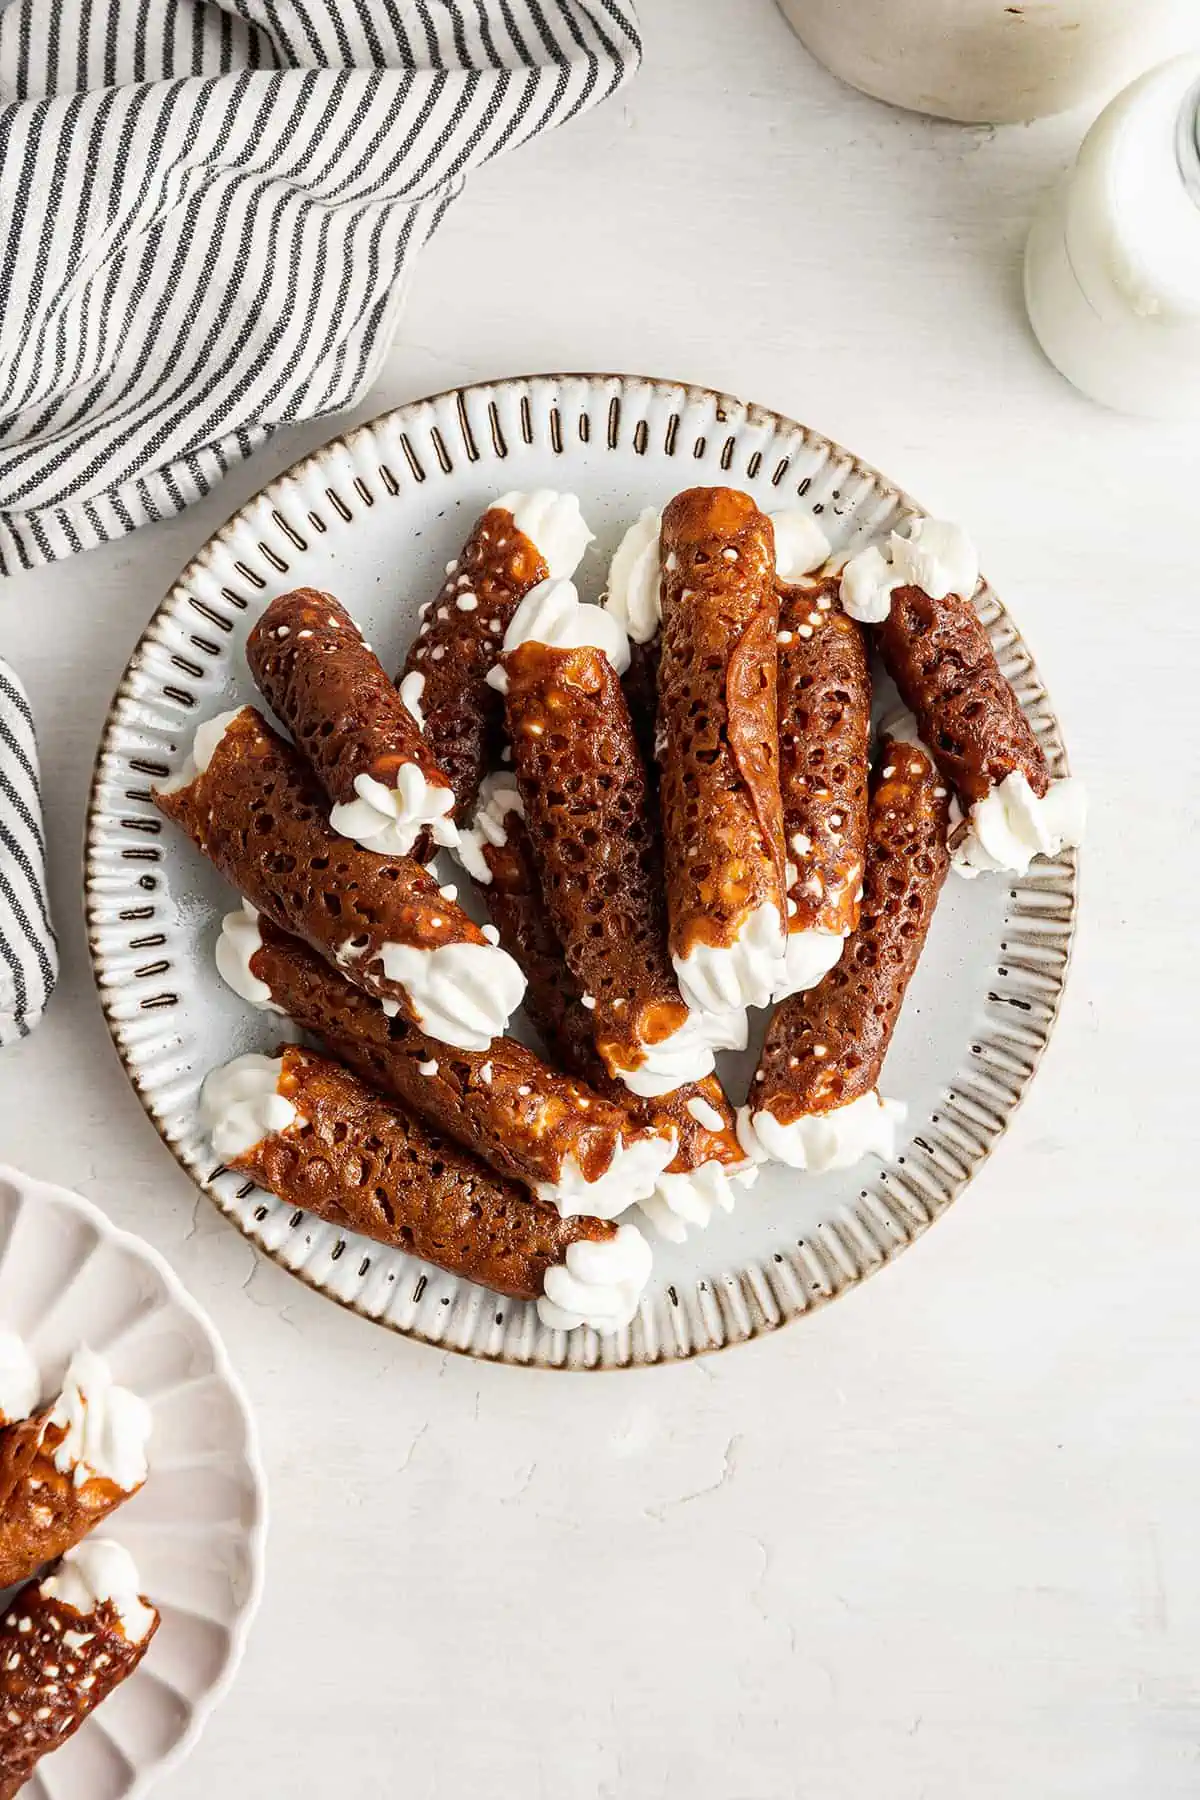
[(940, 1538)]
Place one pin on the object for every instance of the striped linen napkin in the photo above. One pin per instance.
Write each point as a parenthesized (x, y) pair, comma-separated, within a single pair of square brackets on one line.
[(28, 957), (208, 209)]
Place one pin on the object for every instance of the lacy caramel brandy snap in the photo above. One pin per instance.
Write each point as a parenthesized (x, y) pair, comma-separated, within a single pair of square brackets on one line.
[(78, 1625)]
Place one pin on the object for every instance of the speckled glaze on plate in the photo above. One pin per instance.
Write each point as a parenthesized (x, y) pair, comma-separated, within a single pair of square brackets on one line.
[(196, 1530), (374, 517)]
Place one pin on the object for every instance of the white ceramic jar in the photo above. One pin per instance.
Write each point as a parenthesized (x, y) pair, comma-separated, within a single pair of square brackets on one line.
[(1112, 270), (986, 61)]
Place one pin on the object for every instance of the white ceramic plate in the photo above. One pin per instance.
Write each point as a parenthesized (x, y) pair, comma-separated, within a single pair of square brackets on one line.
[(196, 1529), (374, 517)]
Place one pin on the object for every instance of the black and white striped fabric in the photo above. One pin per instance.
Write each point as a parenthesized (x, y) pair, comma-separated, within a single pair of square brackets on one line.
[(28, 958), (210, 207)]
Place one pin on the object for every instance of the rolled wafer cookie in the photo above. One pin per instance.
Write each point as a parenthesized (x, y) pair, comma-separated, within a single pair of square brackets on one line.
[(633, 591), (709, 1163), (65, 1469), (570, 1145), (251, 804), (331, 691), (587, 811), (814, 1101), (824, 690), (520, 540), (937, 651), (313, 1133), (719, 750), (65, 1643), (824, 744)]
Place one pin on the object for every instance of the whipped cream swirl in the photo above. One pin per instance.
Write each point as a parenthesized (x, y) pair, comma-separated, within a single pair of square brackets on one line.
[(240, 940), (390, 820), (720, 978), (631, 1176), (461, 994), (498, 797), (686, 1055), (634, 591), (240, 1104), (691, 1197), (1012, 825), (204, 745), (95, 1571), (107, 1426), (553, 523), (800, 544), (936, 556), (411, 690), (807, 960), (553, 614), (821, 1141), (598, 1284), (634, 594)]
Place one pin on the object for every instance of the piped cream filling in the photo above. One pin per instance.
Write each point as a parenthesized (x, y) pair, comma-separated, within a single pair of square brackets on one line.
[(822, 1141), (597, 1284)]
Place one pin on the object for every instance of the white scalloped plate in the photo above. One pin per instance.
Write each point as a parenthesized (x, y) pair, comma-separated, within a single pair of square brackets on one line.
[(375, 517), (196, 1530)]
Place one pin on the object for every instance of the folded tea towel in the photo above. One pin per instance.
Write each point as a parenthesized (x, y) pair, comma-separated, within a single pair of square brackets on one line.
[(28, 957), (207, 211)]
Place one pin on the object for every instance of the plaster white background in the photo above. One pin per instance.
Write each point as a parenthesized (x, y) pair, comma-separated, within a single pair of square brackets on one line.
[(940, 1538)]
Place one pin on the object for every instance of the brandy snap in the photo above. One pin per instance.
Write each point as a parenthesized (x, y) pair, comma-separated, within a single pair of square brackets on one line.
[(312, 1133), (709, 1163), (718, 751), (521, 540), (248, 800), (824, 743), (65, 1469), (331, 691), (938, 653), (815, 1101), (65, 1644), (570, 1145), (587, 809)]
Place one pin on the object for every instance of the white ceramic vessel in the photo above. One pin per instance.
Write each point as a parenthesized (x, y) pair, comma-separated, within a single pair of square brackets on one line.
[(1112, 269), (375, 517), (985, 61), (196, 1529)]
